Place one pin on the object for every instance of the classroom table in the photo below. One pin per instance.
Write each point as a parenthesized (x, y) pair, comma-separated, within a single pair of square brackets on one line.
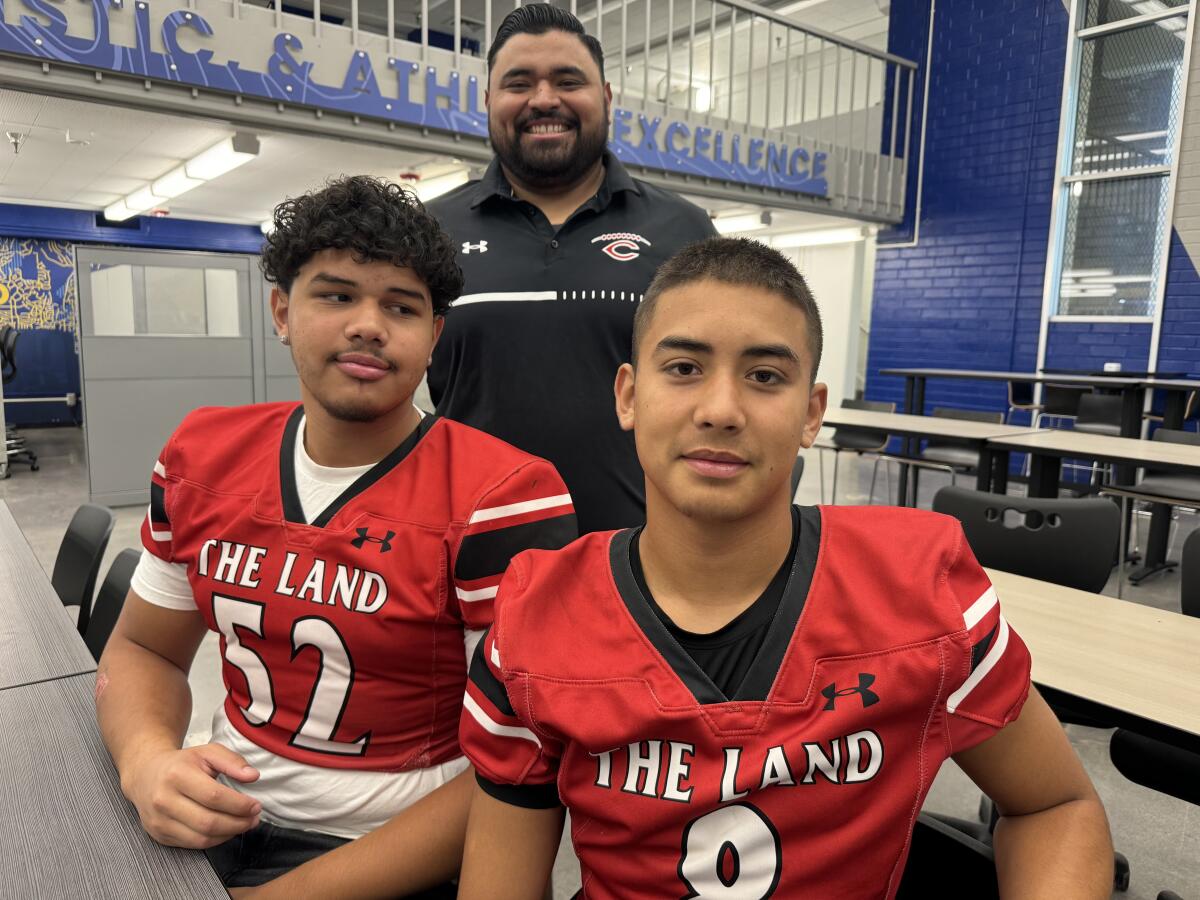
[(38, 640), (1048, 448), (1134, 666), (1131, 386), (67, 829), (991, 476)]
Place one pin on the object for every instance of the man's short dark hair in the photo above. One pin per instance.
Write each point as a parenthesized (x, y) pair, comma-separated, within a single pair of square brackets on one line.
[(538, 18), (736, 261), (373, 219)]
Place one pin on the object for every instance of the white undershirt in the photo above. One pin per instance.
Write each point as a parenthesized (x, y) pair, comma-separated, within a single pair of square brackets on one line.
[(343, 802)]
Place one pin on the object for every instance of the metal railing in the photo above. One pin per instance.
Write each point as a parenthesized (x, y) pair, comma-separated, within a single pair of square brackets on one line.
[(728, 64)]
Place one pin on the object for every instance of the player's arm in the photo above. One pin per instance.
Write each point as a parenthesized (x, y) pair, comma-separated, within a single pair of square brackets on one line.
[(510, 850), (415, 850), (1052, 839), (143, 705)]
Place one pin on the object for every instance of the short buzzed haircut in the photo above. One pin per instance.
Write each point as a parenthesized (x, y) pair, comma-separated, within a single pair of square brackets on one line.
[(734, 261), (539, 18)]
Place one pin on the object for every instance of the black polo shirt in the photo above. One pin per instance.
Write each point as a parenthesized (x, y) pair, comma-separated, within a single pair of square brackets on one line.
[(530, 350)]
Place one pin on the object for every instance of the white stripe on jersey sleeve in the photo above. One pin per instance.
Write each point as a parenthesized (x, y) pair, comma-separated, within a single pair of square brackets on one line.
[(516, 509), (980, 608), (475, 596), (157, 535), (495, 655), (981, 671), (494, 727), (159, 469), (505, 296)]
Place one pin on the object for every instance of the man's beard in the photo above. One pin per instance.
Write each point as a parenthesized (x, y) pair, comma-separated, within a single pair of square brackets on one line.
[(551, 167)]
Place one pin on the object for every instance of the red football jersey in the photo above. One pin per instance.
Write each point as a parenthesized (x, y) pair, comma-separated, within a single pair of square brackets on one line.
[(342, 640), (806, 782)]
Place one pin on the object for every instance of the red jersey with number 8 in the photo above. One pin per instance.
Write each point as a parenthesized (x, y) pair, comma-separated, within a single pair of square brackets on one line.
[(888, 654), (342, 638)]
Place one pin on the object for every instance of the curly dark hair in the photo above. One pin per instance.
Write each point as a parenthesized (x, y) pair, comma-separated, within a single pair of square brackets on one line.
[(376, 220)]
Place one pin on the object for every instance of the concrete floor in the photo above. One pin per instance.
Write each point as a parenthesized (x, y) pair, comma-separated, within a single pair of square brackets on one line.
[(1159, 835)]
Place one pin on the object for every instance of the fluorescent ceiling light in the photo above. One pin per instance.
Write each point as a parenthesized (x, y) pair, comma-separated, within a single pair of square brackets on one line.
[(223, 157), (738, 224), (428, 188), (817, 238), (175, 182), (212, 163)]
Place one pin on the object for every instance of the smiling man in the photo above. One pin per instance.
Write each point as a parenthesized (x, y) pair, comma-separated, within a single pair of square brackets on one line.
[(346, 550), (746, 699), (557, 244)]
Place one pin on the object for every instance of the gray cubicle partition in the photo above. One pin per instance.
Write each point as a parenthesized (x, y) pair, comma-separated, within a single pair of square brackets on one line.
[(161, 333)]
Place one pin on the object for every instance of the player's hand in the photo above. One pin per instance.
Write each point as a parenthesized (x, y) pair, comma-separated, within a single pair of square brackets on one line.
[(180, 801)]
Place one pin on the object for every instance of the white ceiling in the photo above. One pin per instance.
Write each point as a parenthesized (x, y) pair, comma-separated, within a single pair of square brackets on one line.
[(126, 149), (118, 151)]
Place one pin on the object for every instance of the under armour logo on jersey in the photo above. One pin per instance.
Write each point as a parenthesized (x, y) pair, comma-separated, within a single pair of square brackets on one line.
[(622, 245), (865, 680), (481, 247), (385, 542)]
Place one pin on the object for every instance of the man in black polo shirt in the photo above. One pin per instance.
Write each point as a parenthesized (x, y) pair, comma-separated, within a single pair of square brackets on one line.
[(557, 244)]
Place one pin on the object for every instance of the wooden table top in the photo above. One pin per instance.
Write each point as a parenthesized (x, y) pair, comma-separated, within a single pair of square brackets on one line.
[(924, 426), (1134, 658), (38, 640), (1077, 444), (1115, 379), (68, 830)]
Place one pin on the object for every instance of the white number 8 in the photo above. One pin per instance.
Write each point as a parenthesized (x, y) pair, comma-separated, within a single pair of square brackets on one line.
[(732, 853)]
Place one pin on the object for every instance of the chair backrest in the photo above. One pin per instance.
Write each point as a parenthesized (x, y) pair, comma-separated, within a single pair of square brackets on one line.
[(110, 599), (1099, 409), (79, 557), (8, 353), (941, 855), (1189, 578), (966, 415), (1157, 765), (1061, 399), (862, 438), (1020, 393), (797, 474), (1177, 436), (1070, 542)]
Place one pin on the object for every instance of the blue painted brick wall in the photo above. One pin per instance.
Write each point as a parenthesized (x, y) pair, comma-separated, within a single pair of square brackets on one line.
[(1089, 345), (1179, 346), (969, 296)]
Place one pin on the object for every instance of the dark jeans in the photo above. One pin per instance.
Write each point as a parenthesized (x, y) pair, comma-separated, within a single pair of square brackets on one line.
[(268, 851)]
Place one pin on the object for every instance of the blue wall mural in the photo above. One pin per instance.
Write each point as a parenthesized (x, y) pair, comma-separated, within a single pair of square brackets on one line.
[(38, 298)]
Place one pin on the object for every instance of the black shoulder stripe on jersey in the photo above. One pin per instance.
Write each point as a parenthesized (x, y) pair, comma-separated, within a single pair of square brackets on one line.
[(761, 677), (979, 651), (158, 505), (489, 553), (294, 512), (677, 658), (528, 796), (481, 676)]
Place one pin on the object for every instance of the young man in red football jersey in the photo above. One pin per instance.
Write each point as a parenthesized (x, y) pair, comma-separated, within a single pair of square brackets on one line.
[(744, 699), (346, 549)]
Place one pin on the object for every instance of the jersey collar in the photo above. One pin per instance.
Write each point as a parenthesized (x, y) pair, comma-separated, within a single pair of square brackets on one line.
[(761, 677), (294, 512)]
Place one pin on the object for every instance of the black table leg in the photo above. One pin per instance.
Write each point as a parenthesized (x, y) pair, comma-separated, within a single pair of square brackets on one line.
[(918, 410), (1043, 476), (1160, 513), (905, 444), (1000, 460)]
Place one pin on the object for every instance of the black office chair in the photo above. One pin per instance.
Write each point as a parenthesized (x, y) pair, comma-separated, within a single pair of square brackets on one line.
[(15, 447), (1059, 402), (109, 600), (957, 457), (79, 557), (1189, 579), (797, 474), (1098, 414), (1191, 407), (940, 856), (1071, 542), (859, 441), (1181, 486)]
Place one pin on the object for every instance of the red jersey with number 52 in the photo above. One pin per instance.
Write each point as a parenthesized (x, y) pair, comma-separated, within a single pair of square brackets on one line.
[(887, 655), (342, 638)]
